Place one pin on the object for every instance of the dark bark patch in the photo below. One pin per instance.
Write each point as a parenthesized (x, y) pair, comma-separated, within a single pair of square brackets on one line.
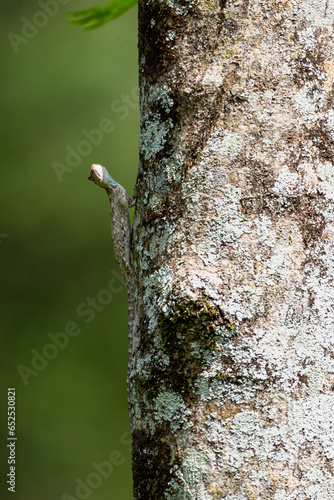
[(302, 207), (186, 336), (220, 23), (152, 460), (259, 176), (155, 21), (196, 142), (322, 141), (196, 320), (244, 8), (308, 66)]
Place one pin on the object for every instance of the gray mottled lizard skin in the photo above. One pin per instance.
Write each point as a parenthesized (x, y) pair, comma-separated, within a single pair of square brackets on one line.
[(121, 237)]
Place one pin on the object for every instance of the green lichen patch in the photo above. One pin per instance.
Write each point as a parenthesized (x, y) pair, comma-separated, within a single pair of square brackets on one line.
[(170, 407), (154, 135), (187, 332), (189, 322), (196, 469)]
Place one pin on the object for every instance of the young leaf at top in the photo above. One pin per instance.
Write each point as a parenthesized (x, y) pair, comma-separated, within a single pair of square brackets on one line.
[(95, 17)]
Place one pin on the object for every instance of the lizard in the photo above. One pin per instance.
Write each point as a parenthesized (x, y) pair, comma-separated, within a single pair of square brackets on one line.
[(121, 238)]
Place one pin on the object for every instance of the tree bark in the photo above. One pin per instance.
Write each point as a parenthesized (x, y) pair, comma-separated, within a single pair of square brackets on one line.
[(232, 376)]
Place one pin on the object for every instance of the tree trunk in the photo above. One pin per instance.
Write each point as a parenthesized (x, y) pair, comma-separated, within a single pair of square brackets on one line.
[(232, 376)]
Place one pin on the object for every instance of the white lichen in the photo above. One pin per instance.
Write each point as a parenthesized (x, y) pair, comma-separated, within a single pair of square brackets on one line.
[(311, 420), (224, 144), (169, 407), (154, 135), (309, 101), (287, 182)]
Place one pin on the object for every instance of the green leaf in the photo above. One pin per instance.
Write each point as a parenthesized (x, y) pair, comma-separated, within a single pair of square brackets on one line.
[(95, 17)]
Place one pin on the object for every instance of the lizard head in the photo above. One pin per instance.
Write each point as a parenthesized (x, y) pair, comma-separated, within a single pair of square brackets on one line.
[(101, 177)]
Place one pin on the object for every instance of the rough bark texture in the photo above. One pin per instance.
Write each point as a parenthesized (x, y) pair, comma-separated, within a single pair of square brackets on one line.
[(233, 372)]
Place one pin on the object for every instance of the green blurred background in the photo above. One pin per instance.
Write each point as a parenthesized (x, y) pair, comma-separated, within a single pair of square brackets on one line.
[(56, 248)]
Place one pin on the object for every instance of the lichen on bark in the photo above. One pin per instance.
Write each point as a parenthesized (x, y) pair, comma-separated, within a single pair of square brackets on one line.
[(233, 372)]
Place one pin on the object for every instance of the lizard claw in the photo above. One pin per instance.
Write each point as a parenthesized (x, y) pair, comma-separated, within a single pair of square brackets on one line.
[(132, 201)]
